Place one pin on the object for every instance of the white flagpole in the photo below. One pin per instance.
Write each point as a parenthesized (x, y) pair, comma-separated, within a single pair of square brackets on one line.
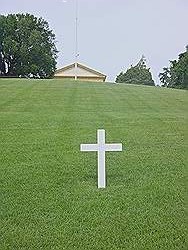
[(76, 41)]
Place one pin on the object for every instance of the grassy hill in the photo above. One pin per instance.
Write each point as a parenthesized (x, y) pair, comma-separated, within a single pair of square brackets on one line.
[(48, 188)]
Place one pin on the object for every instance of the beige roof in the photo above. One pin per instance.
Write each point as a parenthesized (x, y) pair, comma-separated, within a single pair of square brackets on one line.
[(82, 71)]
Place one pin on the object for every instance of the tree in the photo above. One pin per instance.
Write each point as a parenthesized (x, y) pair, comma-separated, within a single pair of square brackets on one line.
[(138, 74), (27, 46), (164, 77), (2, 61), (176, 76)]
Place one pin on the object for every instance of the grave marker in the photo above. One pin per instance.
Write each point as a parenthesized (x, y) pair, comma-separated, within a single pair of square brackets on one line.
[(101, 147)]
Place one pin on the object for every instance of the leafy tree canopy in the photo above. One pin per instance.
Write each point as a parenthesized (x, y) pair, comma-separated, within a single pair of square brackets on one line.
[(138, 74), (27, 46), (176, 76)]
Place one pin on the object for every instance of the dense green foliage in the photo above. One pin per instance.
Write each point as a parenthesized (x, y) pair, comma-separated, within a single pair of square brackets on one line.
[(27, 46), (49, 197), (138, 74), (176, 76)]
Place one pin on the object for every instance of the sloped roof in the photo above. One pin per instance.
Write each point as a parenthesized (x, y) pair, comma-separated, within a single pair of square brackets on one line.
[(81, 66)]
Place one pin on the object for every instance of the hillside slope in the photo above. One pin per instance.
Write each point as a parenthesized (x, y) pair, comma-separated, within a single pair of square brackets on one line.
[(49, 196)]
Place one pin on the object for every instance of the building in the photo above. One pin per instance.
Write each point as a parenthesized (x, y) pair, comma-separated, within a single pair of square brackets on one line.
[(79, 71)]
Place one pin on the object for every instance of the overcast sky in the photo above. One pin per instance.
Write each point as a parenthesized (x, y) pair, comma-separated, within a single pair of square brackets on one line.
[(113, 34)]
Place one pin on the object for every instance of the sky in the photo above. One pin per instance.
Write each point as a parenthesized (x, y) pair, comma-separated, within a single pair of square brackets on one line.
[(113, 34)]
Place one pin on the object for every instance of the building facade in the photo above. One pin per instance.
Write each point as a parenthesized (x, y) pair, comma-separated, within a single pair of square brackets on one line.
[(79, 71)]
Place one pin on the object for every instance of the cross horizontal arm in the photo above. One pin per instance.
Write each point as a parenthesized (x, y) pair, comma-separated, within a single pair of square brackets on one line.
[(89, 147), (113, 147)]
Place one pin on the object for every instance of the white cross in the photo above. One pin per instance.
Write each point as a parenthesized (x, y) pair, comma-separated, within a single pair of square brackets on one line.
[(101, 147)]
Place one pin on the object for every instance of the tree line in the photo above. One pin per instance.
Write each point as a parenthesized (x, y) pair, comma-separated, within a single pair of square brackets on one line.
[(27, 49), (174, 76)]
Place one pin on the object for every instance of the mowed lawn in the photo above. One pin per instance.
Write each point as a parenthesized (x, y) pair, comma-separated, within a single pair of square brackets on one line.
[(48, 189)]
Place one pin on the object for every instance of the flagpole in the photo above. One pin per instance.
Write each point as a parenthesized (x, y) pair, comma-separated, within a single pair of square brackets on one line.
[(76, 41)]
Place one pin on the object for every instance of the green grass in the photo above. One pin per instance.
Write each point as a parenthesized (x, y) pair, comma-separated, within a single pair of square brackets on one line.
[(48, 188)]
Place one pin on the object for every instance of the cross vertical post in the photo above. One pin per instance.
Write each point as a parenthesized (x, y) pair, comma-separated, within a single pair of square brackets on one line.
[(101, 158)]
